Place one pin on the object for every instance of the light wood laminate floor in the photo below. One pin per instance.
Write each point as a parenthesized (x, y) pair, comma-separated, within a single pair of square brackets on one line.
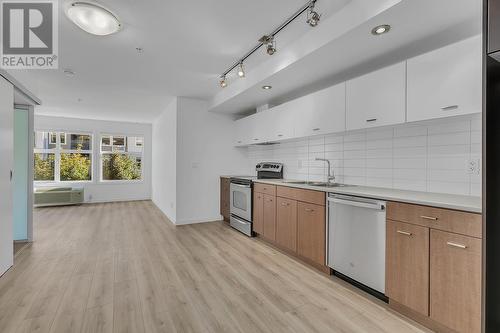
[(123, 267)]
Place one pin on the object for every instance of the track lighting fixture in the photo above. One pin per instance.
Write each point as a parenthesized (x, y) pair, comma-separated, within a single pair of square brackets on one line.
[(223, 81), (270, 44), (312, 16), (269, 41), (241, 70)]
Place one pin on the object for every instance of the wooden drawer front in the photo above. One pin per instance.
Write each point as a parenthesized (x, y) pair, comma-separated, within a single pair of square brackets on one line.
[(309, 196), (265, 188), (469, 224), (311, 228), (286, 223), (407, 265), (455, 281), (269, 217)]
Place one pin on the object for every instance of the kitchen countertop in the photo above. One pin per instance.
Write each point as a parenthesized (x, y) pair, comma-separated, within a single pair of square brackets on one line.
[(449, 201)]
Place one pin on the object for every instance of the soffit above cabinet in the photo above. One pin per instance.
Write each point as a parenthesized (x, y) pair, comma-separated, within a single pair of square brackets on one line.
[(342, 48)]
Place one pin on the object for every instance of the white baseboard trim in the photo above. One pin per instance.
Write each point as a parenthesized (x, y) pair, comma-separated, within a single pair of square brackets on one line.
[(164, 214), (117, 200)]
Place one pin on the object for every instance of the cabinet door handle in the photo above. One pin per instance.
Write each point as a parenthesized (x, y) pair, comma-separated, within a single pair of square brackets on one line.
[(404, 233), (460, 246), (309, 210), (316, 129), (429, 218), (371, 120), (280, 135), (255, 139), (285, 204), (449, 108)]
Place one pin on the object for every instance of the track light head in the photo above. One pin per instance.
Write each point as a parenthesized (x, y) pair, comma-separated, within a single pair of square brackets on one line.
[(270, 49), (313, 17), (241, 70), (270, 44), (223, 81)]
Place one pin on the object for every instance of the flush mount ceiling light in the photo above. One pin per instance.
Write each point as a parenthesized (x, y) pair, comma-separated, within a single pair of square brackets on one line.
[(267, 87), (93, 18), (269, 40), (241, 71), (381, 29)]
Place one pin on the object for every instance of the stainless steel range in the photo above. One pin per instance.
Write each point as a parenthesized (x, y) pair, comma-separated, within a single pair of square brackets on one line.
[(241, 193)]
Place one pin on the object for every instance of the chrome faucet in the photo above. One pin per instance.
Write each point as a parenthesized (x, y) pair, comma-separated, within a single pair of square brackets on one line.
[(331, 175)]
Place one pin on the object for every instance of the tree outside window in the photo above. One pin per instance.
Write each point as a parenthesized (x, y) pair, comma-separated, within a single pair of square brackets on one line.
[(121, 158)]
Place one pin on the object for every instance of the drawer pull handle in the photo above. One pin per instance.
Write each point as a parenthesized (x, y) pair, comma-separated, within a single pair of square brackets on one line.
[(429, 218), (309, 210), (371, 120), (460, 246), (316, 129), (285, 204), (449, 108), (280, 135), (404, 233)]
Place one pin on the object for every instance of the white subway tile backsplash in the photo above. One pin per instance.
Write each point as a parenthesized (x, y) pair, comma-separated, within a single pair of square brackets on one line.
[(428, 156)]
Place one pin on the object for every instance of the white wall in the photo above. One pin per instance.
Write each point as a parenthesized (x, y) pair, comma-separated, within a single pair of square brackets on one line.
[(429, 156), (203, 152), (96, 191), (164, 161)]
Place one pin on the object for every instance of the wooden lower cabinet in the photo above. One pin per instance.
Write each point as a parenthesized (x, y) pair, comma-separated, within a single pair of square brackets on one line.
[(224, 198), (311, 231), (286, 223), (258, 213), (455, 281), (407, 265), (269, 219)]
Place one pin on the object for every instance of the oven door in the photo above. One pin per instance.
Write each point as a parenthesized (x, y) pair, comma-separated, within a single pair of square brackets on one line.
[(241, 201)]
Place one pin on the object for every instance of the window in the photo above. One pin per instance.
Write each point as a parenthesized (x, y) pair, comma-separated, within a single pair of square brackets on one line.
[(121, 157), (63, 156)]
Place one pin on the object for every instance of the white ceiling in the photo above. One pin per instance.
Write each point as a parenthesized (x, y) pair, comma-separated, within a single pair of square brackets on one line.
[(186, 46), (417, 27)]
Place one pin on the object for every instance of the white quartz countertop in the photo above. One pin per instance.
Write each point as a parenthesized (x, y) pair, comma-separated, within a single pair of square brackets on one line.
[(449, 201)]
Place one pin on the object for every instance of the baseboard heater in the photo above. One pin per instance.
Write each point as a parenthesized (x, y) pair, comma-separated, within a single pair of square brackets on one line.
[(58, 196)]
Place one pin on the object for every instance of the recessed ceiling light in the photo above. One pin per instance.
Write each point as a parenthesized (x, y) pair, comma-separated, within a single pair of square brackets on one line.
[(93, 18), (267, 87), (69, 72), (381, 29)]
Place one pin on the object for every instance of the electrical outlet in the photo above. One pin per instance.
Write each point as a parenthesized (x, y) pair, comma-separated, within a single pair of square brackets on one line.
[(473, 167)]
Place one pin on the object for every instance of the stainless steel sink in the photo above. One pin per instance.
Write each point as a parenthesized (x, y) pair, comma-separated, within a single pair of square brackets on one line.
[(324, 184), (319, 184)]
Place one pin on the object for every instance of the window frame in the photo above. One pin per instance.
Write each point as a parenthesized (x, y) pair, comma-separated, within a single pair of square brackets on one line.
[(101, 154), (58, 150)]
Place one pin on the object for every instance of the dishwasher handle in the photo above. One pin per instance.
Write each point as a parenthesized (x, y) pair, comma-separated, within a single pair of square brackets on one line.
[(377, 205)]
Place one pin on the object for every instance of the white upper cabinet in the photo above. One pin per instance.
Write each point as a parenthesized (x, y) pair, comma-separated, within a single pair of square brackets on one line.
[(279, 122), (322, 112), (378, 98), (446, 82)]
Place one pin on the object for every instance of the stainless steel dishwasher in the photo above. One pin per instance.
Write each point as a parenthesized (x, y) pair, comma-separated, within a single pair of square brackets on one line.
[(356, 240)]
